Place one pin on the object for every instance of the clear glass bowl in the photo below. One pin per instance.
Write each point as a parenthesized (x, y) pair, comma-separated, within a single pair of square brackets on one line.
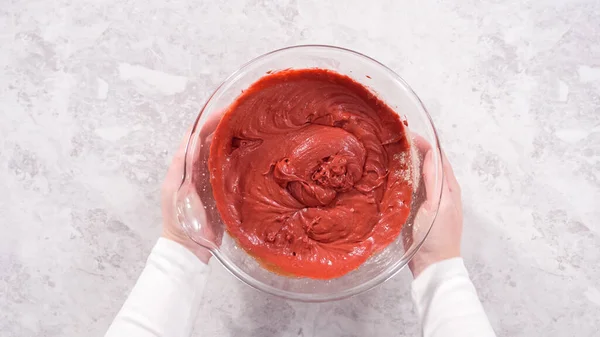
[(198, 214)]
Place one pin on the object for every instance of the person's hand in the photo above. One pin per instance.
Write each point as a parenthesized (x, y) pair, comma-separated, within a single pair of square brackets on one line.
[(171, 228), (443, 241)]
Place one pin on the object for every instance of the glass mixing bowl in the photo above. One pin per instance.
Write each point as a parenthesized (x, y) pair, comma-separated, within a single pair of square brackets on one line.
[(198, 215)]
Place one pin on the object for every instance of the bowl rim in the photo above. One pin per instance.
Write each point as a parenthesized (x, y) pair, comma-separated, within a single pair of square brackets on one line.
[(308, 297)]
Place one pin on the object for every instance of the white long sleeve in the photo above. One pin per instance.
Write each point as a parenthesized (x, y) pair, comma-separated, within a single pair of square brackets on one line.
[(447, 302), (166, 297)]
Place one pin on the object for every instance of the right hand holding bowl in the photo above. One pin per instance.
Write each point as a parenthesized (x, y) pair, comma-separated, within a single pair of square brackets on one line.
[(443, 241)]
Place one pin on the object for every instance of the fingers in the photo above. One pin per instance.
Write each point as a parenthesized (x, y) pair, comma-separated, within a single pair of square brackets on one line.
[(449, 177), (184, 141), (420, 143), (175, 172), (450, 183), (210, 125), (429, 180), (425, 149)]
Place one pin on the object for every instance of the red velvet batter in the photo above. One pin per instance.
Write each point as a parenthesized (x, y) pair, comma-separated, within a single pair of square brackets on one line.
[(310, 172)]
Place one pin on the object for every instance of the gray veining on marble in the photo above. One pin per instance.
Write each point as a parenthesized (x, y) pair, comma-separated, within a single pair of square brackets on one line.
[(95, 96)]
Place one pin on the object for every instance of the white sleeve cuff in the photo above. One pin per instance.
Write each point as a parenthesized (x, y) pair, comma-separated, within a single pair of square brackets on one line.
[(166, 297), (172, 256), (447, 302), (437, 273)]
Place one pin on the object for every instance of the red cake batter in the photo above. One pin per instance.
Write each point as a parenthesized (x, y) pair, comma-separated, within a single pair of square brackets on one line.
[(310, 172)]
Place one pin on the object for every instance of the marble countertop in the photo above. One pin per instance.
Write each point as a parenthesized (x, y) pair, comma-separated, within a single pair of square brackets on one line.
[(95, 96)]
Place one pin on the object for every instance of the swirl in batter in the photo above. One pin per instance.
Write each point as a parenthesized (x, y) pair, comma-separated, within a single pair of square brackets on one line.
[(311, 172)]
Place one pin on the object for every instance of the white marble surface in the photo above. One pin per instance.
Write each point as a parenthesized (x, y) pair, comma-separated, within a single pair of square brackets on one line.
[(95, 95)]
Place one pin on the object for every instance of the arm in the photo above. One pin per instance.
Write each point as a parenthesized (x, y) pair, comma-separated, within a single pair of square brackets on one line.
[(444, 297), (165, 298), (447, 303)]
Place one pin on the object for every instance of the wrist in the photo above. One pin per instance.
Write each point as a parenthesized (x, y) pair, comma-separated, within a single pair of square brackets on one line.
[(421, 261), (200, 252)]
